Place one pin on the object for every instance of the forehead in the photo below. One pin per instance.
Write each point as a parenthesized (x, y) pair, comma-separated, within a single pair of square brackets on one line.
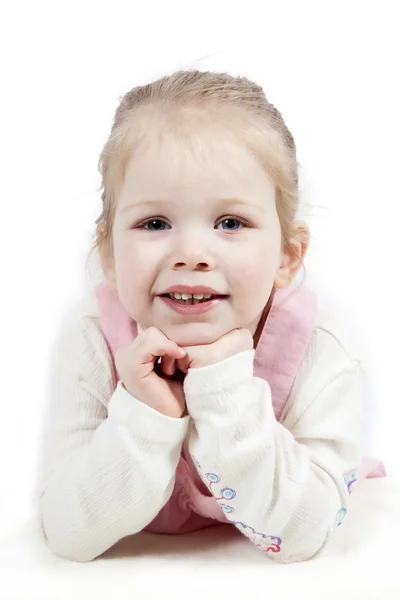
[(196, 167)]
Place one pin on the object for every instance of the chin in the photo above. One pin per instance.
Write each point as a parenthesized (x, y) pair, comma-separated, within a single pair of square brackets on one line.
[(193, 334)]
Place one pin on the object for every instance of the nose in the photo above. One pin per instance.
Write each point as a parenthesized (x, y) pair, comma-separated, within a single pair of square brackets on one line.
[(192, 254)]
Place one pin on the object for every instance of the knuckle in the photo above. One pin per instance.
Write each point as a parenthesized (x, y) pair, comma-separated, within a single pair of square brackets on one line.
[(150, 332), (155, 335), (153, 330)]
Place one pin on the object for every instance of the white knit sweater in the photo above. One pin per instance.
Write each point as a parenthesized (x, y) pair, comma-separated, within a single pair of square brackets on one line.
[(108, 461)]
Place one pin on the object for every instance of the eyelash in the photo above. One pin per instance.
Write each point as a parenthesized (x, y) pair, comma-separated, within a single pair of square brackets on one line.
[(227, 218)]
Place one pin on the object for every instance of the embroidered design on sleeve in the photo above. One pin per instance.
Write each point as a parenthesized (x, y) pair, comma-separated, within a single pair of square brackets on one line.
[(261, 540), (350, 479), (225, 493), (340, 516), (196, 462)]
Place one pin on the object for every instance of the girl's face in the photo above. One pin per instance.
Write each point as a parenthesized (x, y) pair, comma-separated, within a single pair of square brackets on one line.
[(182, 223)]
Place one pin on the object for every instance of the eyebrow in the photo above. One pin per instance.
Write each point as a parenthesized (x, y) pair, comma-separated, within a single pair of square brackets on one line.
[(155, 203)]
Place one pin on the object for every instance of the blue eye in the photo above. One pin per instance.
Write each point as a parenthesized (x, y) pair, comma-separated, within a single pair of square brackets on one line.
[(155, 225), (228, 224), (231, 224)]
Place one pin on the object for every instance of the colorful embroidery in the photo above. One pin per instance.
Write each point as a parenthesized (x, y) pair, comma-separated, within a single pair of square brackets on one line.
[(196, 462), (350, 480), (261, 540), (340, 516), (225, 493)]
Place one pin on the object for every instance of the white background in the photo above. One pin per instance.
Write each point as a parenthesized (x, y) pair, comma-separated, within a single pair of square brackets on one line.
[(332, 70)]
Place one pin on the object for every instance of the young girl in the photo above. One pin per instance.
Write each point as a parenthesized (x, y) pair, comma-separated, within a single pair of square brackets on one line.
[(207, 388)]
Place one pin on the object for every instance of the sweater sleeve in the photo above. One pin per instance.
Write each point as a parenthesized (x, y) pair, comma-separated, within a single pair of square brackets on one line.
[(283, 485), (107, 462)]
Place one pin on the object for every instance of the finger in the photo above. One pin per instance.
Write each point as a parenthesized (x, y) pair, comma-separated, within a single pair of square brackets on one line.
[(183, 364), (168, 365), (156, 344)]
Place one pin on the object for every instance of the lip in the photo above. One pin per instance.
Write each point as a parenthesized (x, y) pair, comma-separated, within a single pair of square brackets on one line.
[(192, 309), (194, 289)]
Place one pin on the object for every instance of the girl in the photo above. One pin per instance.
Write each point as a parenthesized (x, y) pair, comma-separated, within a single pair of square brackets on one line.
[(207, 388)]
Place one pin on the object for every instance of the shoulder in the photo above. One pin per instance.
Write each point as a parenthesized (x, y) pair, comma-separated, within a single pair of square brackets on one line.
[(338, 325), (337, 343), (336, 330), (333, 353), (80, 349)]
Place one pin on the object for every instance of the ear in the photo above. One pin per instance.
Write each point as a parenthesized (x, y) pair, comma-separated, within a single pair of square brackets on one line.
[(292, 258)]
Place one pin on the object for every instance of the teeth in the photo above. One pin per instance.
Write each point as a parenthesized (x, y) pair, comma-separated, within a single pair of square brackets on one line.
[(177, 296)]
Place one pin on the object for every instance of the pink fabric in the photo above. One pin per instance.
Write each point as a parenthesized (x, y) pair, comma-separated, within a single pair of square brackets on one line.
[(280, 350)]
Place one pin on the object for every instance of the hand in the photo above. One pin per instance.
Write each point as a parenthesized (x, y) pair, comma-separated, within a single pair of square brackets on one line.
[(137, 368), (229, 344)]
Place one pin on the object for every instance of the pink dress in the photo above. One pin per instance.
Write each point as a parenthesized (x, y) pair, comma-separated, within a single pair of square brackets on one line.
[(291, 317)]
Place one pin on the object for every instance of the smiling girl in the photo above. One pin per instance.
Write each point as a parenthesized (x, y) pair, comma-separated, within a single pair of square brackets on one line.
[(209, 388)]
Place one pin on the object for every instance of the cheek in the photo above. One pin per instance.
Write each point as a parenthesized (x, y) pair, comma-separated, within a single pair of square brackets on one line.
[(253, 267), (135, 267), (133, 259), (244, 274), (251, 275), (253, 280)]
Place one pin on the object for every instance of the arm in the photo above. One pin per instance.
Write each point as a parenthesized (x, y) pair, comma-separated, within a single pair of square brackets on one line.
[(282, 488), (107, 460)]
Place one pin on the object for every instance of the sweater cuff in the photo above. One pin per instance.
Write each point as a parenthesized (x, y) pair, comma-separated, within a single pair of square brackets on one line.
[(123, 408), (220, 378)]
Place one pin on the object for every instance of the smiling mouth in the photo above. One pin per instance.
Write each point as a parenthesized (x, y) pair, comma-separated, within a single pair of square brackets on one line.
[(193, 298)]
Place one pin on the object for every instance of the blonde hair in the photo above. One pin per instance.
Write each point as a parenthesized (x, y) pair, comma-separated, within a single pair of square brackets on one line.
[(172, 102)]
